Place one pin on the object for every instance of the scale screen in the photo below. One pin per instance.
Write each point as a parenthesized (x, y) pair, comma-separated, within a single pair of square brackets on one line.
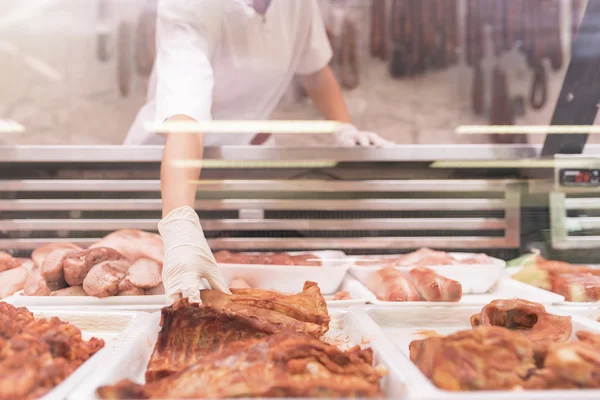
[(580, 177)]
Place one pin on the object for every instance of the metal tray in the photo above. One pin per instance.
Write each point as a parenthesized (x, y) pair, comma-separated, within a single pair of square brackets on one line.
[(397, 327)]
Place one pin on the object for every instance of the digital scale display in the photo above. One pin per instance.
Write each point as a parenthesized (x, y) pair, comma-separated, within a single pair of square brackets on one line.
[(580, 177)]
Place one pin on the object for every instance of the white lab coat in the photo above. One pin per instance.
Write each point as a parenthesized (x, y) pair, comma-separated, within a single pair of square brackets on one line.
[(219, 59)]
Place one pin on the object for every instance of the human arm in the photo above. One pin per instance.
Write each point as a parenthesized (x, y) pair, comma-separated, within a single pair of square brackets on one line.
[(323, 88), (184, 94)]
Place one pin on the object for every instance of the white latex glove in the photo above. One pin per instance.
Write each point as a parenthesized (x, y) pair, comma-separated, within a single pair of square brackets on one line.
[(188, 258), (348, 135)]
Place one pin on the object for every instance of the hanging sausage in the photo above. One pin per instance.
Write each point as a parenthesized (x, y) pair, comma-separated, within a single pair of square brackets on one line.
[(145, 42), (379, 36), (103, 53), (349, 67), (124, 67), (400, 28)]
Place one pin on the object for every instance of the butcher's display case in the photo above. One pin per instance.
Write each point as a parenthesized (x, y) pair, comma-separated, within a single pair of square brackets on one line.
[(482, 197)]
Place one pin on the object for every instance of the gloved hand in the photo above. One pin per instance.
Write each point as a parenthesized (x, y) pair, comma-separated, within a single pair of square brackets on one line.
[(348, 135), (188, 258)]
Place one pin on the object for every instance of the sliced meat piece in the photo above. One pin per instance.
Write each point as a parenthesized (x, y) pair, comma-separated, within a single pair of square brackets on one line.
[(239, 283), (77, 265), (70, 291), (132, 292), (52, 268), (103, 279), (7, 262), (127, 289), (40, 254), (12, 280), (134, 244), (434, 287), (145, 274), (156, 291), (35, 285), (388, 284), (27, 263)]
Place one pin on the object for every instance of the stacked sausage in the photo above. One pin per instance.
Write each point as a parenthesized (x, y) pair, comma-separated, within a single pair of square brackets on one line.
[(420, 284), (115, 266)]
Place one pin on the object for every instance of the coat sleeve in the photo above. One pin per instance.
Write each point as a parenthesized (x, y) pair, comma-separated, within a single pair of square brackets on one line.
[(186, 34), (317, 51)]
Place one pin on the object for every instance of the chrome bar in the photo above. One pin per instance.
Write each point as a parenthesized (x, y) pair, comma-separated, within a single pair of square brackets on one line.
[(136, 185), (581, 203), (458, 224), (303, 243), (265, 204)]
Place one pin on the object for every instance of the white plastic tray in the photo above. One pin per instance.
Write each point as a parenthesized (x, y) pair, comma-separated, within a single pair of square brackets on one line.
[(290, 279), (131, 363), (506, 288), (400, 326), (117, 328), (474, 278), (357, 294), (131, 303)]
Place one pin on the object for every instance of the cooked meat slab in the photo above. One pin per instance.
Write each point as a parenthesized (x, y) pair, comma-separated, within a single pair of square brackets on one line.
[(253, 343), (485, 358), (190, 331), (36, 355), (286, 364), (527, 318), (388, 284)]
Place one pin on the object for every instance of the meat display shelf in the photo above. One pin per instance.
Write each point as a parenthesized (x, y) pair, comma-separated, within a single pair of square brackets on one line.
[(397, 327), (131, 362), (117, 328)]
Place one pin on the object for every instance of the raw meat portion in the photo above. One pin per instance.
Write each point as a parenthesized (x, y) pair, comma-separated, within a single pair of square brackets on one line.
[(134, 291), (12, 280), (580, 287), (70, 291), (104, 278), (527, 318), (77, 265), (52, 268), (134, 244), (343, 295), (35, 285), (191, 331), (426, 257), (388, 284), (145, 274), (36, 355), (286, 364), (7, 262), (480, 258), (40, 254), (305, 259), (433, 287), (485, 358), (239, 283), (421, 258), (156, 291)]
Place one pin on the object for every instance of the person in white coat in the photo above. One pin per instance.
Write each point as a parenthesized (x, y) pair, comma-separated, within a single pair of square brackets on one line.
[(227, 60)]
